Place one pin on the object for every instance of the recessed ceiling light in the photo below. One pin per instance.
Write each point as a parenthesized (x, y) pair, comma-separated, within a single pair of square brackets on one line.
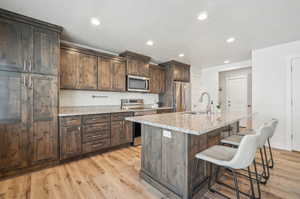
[(150, 43), (202, 16), (226, 62), (181, 55), (95, 21), (230, 40)]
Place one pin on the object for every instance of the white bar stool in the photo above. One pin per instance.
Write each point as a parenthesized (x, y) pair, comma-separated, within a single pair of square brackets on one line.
[(233, 159), (265, 134), (274, 126)]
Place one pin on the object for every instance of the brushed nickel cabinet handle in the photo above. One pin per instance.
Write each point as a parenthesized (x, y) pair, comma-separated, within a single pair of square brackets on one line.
[(24, 81), (24, 65), (30, 82), (30, 65)]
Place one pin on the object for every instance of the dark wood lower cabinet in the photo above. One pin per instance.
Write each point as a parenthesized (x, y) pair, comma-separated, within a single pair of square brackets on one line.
[(44, 121), (121, 130), (90, 133), (14, 136), (70, 137)]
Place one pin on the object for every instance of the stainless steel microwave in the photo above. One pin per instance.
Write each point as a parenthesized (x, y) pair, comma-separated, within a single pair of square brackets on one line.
[(138, 84)]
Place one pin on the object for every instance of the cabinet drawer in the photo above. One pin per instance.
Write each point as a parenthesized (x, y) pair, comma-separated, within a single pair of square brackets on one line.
[(95, 127), (95, 145), (95, 136), (92, 119), (70, 121), (120, 116)]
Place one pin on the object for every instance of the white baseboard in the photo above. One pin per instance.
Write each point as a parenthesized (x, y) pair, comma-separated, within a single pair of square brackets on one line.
[(280, 146)]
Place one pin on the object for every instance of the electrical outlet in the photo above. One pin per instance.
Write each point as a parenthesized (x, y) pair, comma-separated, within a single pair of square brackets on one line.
[(167, 134)]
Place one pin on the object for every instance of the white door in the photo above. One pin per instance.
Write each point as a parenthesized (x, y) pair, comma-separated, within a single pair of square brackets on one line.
[(237, 95), (296, 104)]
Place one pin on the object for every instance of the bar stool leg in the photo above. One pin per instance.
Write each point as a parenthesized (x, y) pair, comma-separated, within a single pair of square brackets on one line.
[(271, 154), (264, 168), (251, 183), (267, 162), (257, 179), (236, 184)]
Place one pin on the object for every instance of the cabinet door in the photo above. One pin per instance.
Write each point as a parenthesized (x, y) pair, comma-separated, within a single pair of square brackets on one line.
[(132, 67), (16, 45), (69, 63), (14, 136), (87, 72), (177, 73), (186, 74), (143, 68), (70, 141), (128, 132), (119, 76), (116, 132), (162, 81), (104, 74), (44, 129), (45, 52)]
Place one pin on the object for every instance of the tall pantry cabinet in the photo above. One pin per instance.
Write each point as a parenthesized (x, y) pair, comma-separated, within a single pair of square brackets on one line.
[(29, 62)]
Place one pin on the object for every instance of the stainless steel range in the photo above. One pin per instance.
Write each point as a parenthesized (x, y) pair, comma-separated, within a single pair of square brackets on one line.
[(138, 106)]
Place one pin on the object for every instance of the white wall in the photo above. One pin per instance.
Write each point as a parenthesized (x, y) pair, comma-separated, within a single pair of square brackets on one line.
[(84, 98), (270, 88), (208, 80)]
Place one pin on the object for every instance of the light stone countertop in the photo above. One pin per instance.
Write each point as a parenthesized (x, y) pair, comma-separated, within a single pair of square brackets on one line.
[(188, 123), (91, 110)]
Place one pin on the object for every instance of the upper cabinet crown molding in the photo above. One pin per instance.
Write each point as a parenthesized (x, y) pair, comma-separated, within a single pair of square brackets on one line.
[(174, 62), (133, 55), (75, 48), (28, 20)]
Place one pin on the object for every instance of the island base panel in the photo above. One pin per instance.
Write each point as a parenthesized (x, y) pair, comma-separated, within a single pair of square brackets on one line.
[(169, 163)]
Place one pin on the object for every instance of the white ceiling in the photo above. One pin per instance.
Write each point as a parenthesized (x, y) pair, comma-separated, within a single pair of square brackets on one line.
[(172, 25)]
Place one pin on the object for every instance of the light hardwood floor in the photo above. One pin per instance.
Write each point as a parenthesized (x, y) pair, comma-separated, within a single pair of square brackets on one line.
[(114, 175)]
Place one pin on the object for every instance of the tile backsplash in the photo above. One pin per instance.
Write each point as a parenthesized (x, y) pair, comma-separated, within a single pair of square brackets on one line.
[(85, 98)]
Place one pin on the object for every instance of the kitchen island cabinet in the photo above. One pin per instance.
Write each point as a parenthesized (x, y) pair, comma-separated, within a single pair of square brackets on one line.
[(169, 145)]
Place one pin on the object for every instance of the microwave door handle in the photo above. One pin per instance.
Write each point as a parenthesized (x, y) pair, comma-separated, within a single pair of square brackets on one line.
[(147, 85)]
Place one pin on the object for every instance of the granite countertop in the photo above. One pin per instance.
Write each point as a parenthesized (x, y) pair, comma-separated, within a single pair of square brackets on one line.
[(188, 123), (91, 110)]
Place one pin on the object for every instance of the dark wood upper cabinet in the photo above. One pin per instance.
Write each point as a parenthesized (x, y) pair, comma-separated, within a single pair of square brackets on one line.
[(78, 70), (87, 72), (69, 64), (43, 126), (90, 70), (179, 71), (105, 74), (137, 64), (45, 52), (14, 136), (16, 45), (119, 75), (157, 79)]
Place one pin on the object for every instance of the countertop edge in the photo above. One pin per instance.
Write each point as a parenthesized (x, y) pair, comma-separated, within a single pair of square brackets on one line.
[(111, 111), (187, 131)]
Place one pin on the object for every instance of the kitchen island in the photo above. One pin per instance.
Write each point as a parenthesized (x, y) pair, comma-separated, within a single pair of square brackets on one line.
[(169, 145)]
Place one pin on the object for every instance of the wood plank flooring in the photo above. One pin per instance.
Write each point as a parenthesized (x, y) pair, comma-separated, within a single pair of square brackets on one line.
[(114, 175)]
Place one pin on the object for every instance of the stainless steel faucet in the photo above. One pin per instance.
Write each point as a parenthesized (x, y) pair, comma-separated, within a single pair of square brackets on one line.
[(208, 107)]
